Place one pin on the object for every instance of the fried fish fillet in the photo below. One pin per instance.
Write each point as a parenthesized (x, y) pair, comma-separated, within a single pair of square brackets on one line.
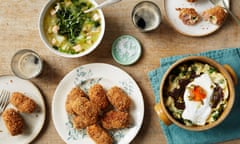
[(189, 16), (99, 135), (215, 15), (86, 112), (115, 120), (119, 99), (71, 97), (23, 103), (98, 96), (13, 121)]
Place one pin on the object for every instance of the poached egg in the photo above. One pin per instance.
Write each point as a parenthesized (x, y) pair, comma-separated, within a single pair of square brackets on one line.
[(197, 98)]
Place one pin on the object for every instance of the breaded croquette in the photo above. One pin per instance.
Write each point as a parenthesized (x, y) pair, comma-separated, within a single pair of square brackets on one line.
[(115, 120), (98, 96), (71, 97), (80, 122), (99, 135), (189, 16), (13, 121), (119, 99), (215, 15), (82, 106), (86, 112), (23, 103)]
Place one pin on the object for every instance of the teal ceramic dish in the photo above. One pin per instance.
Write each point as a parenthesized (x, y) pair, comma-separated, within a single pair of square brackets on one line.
[(126, 50)]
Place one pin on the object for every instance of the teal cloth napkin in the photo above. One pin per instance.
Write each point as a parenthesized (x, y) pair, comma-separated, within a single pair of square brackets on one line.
[(229, 129)]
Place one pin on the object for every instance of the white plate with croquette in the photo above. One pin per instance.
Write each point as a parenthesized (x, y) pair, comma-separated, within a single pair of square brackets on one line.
[(33, 118), (195, 22), (84, 77)]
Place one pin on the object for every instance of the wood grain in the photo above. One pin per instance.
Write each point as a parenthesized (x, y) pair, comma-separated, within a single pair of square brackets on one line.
[(19, 30)]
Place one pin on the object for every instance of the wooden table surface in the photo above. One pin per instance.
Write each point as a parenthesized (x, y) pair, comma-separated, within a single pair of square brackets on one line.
[(19, 30)]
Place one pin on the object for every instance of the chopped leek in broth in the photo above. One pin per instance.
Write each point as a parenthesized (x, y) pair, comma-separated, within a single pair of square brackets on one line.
[(69, 29)]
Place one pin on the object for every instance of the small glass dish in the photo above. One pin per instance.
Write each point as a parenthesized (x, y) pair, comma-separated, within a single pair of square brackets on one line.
[(146, 16), (26, 64)]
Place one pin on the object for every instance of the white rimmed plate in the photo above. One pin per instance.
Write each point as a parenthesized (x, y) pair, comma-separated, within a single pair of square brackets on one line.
[(202, 28), (34, 121), (85, 76)]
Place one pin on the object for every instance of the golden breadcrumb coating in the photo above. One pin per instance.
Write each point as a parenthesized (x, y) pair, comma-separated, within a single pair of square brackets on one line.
[(215, 15), (13, 121), (81, 122), (119, 99), (99, 135), (189, 16), (23, 103), (71, 97), (115, 120), (98, 96), (86, 112), (82, 106)]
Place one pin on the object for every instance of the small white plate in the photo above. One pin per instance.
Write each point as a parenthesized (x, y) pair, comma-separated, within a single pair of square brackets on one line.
[(85, 76), (202, 28), (34, 121)]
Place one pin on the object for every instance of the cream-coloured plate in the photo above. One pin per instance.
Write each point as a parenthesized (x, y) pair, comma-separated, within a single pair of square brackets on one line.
[(202, 28), (84, 77), (33, 122)]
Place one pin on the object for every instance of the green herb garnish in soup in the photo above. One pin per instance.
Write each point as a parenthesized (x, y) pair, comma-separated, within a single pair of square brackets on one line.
[(69, 29)]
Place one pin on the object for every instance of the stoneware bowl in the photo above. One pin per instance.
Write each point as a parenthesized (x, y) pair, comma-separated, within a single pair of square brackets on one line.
[(48, 44), (230, 76)]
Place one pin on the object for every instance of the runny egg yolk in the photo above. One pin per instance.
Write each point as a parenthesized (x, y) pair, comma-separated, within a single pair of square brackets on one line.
[(197, 93)]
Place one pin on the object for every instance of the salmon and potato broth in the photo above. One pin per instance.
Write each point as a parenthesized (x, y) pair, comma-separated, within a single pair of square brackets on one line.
[(196, 93), (69, 29)]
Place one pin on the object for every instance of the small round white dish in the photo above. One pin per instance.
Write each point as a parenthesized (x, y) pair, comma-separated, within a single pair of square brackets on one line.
[(108, 76), (34, 121), (202, 28)]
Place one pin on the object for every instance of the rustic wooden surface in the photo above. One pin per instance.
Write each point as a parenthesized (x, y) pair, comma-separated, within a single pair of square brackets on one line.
[(19, 30)]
